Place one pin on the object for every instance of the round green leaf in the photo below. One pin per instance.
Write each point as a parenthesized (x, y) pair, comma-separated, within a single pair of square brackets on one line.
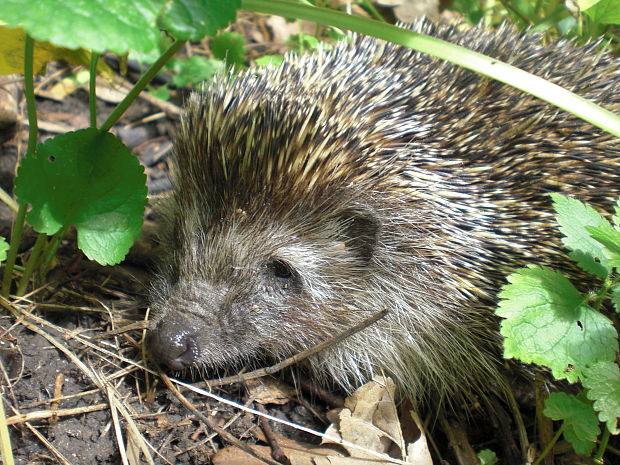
[(99, 25), (90, 180), (194, 19)]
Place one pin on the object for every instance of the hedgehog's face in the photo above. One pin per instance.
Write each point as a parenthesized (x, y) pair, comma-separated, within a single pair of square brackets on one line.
[(244, 288)]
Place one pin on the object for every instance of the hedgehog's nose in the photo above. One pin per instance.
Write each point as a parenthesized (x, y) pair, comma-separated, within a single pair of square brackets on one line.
[(173, 345)]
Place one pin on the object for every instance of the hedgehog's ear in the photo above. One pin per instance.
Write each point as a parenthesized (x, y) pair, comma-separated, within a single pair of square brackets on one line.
[(361, 232)]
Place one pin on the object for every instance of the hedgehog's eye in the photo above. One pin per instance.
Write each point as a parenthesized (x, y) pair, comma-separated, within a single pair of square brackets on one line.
[(282, 276), (281, 269)]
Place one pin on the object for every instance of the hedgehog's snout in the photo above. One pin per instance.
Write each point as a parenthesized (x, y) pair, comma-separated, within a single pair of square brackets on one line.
[(174, 345)]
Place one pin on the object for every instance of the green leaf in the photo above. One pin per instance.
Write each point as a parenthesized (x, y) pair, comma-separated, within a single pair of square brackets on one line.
[(588, 264), (230, 47), (99, 25), (194, 19), (604, 12), (301, 43), (90, 180), (195, 69), (609, 238), (546, 322), (487, 457), (615, 298), (162, 93), (269, 60), (4, 248), (573, 217), (603, 383), (580, 422)]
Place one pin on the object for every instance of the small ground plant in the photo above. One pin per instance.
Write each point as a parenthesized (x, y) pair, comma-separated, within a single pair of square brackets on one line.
[(547, 321)]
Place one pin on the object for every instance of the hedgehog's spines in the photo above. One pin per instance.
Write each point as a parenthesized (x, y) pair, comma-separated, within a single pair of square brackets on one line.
[(386, 179)]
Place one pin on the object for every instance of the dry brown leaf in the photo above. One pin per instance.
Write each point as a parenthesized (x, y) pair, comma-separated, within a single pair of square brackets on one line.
[(370, 420), (418, 451), (298, 453), (270, 391)]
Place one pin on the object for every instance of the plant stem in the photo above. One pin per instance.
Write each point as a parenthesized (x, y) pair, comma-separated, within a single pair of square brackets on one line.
[(367, 4), (8, 200), (16, 234), (33, 131), (50, 251), (549, 447), (601, 295), (92, 89), (598, 458), (141, 84), (33, 127), (32, 264)]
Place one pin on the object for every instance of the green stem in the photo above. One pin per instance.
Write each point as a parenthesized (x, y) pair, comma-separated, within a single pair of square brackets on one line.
[(474, 61), (16, 235), (601, 295), (33, 128), (510, 8), (92, 89), (50, 251), (33, 131), (549, 447), (141, 84), (8, 200), (372, 10), (598, 458), (32, 264)]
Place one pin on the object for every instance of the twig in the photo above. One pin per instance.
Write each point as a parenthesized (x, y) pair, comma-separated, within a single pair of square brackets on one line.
[(211, 424), (385, 457), (300, 356), (276, 451)]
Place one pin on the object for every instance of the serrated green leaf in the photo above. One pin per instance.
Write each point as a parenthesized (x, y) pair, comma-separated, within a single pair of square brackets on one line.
[(580, 422), (603, 383), (609, 238), (573, 217), (4, 248), (90, 180), (588, 264), (546, 322), (99, 25), (194, 19), (195, 69), (230, 47), (615, 298)]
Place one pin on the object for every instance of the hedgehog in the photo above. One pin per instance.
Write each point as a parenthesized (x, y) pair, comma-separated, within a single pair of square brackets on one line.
[(370, 177)]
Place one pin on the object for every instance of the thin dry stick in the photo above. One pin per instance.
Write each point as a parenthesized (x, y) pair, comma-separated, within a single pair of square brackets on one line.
[(55, 452), (94, 377), (44, 414), (211, 424), (276, 451), (300, 356)]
